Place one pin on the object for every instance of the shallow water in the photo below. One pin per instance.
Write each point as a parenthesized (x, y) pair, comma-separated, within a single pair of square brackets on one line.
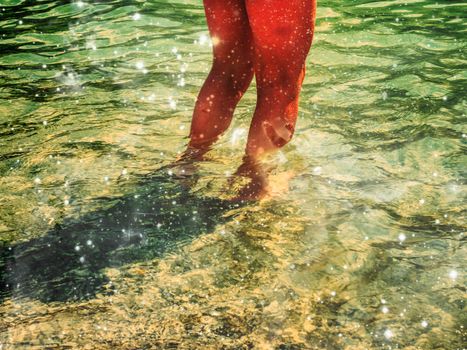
[(362, 245)]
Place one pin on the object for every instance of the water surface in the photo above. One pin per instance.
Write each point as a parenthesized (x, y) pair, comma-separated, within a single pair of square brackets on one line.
[(362, 245)]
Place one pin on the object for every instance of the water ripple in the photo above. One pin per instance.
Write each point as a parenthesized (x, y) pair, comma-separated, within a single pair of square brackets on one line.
[(362, 247)]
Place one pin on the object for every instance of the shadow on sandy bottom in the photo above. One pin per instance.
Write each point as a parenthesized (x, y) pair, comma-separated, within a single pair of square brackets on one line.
[(66, 263)]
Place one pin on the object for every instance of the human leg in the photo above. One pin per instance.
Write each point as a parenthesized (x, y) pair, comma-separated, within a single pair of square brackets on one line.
[(231, 72), (282, 35)]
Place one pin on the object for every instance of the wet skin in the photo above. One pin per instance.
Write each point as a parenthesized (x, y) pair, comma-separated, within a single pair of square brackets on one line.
[(268, 39)]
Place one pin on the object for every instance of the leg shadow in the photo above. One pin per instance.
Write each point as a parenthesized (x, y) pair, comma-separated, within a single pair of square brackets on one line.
[(67, 262)]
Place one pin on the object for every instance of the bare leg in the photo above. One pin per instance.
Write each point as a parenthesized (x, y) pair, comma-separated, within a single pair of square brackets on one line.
[(282, 35), (231, 72)]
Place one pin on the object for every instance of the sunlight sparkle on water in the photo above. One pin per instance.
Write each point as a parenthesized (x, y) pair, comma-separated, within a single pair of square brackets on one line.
[(236, 135), (203, 39), (317, 170), (364, 204)]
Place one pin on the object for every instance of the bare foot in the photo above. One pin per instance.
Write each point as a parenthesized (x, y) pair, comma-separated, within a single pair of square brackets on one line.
[(184, 169), (257, 188)]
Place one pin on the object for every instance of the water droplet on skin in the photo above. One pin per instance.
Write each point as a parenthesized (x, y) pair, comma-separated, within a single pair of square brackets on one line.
[(136, 17), (214, 41), (402, 237), (388, 334), (424, 324)]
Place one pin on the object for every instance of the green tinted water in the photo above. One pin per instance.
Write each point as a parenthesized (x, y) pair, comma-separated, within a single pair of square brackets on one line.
[(361, 247)]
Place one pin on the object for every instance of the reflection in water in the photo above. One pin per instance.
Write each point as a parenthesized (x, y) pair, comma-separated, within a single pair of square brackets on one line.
[(361, 246)]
